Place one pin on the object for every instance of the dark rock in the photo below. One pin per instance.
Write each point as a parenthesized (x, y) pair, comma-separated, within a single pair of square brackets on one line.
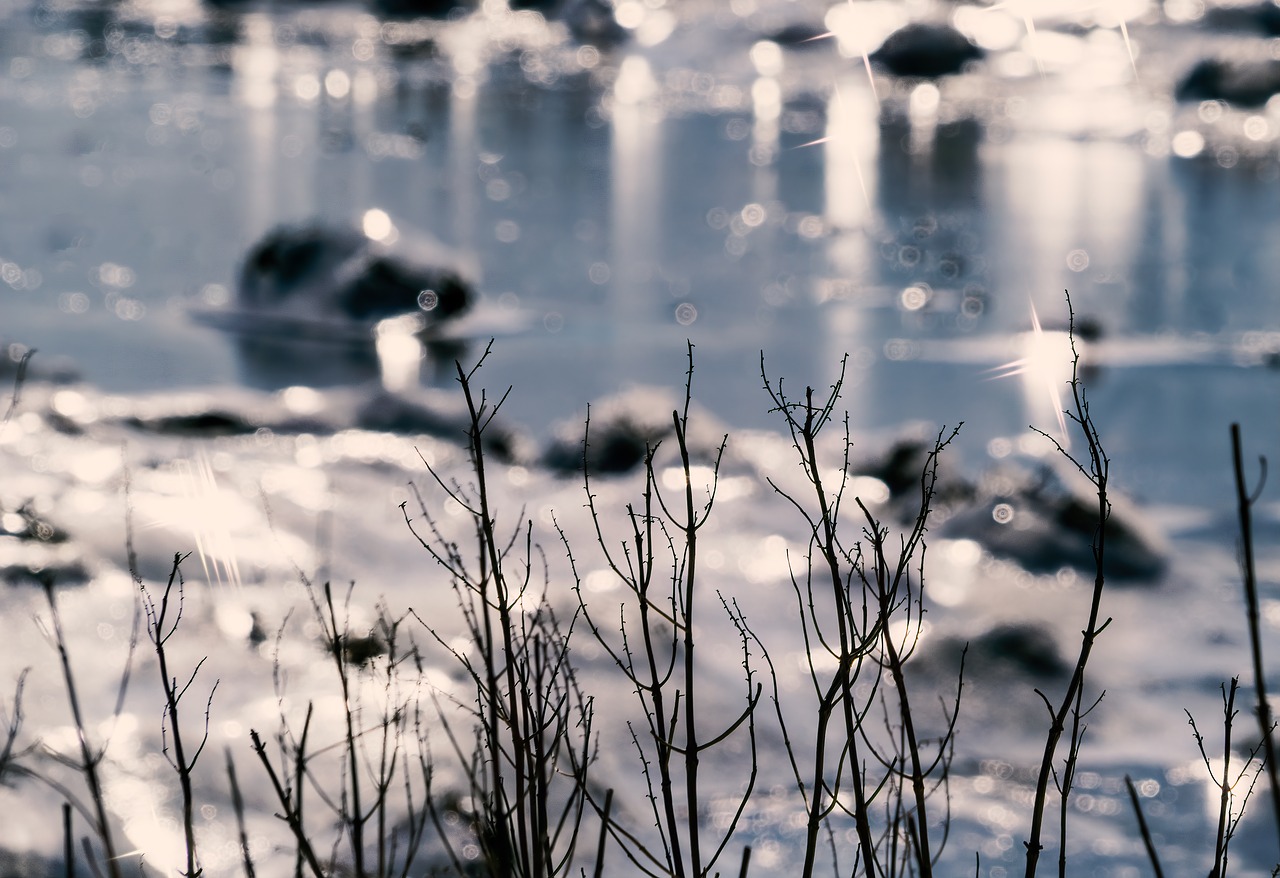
[(407, 9), (1243, 82), (1008, 649), (591, 22), (926, 50), (902, 469), (614, 446), (389, 413), (1030, 649), (624, 427), (1045, 520), (328, 273), (1263, 18), (209, 423), (68, 573)]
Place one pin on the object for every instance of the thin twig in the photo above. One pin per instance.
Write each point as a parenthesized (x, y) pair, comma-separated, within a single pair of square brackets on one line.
[(1142, 828), (1262, 710)]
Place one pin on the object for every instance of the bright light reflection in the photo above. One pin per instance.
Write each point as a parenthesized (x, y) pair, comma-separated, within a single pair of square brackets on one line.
[(700, 477), (158, 837), (767, 58), (377, 224), (991, 29), (1046, 365), (630, 14), (256, 61), (96, 466), (1187, 144), (869, 489), (907, 632), (861, 27), (307, 87), (635, 81), (302, 400), (74, 405), (207, 512), (851, 141), (337, 84), (400, 353)]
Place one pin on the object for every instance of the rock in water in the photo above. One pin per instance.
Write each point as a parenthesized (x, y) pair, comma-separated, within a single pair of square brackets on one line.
[(591, 22), (409, 9), (1044, 516), (1243, 82), (322, 273), (926, 50)]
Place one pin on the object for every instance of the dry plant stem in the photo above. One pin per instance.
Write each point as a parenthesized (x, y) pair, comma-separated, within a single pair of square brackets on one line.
[(1143, 829), (8, 758), (839, 692), (604, 833), (290, 814), (89, 760), (237, 805), (1226, 825), (1262, 710), (527, 702), (843, 683), (890, 584), (68, 843), (480, 416), (355, 818), (666, 651), (300, 759), (1097, 470), (18, 381), (691, 745), (160, 627)]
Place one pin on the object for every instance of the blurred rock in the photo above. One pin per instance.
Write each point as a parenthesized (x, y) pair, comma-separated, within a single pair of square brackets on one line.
[(622, 430), (592, 22), (335, 273), (1025, 647), (416, 8), (38, 573), (1262, 18), (390, 413), (926, 50), (207, 423), (1044, 516), (1245, 82), (902, 468)]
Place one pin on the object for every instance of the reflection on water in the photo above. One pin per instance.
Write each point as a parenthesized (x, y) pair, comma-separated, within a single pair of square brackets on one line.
[(742, 193)]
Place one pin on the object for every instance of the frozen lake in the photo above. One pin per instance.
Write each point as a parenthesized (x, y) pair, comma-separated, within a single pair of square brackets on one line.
[(698, 182)]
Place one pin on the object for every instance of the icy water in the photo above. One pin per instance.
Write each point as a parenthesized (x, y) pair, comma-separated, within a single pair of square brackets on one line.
[(692, 184)]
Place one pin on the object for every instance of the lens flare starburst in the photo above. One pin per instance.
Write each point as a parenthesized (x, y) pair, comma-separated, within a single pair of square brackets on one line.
[(1045, 366)]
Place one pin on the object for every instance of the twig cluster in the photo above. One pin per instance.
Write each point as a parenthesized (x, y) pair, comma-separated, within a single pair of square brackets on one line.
[(495, 772)]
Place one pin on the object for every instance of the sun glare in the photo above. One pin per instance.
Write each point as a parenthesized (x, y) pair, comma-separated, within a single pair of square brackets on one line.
[(209, 510), (1045, 366)]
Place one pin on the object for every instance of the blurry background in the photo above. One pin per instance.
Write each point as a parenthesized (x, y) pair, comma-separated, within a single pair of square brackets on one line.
[(616, 178), (694, 169)]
